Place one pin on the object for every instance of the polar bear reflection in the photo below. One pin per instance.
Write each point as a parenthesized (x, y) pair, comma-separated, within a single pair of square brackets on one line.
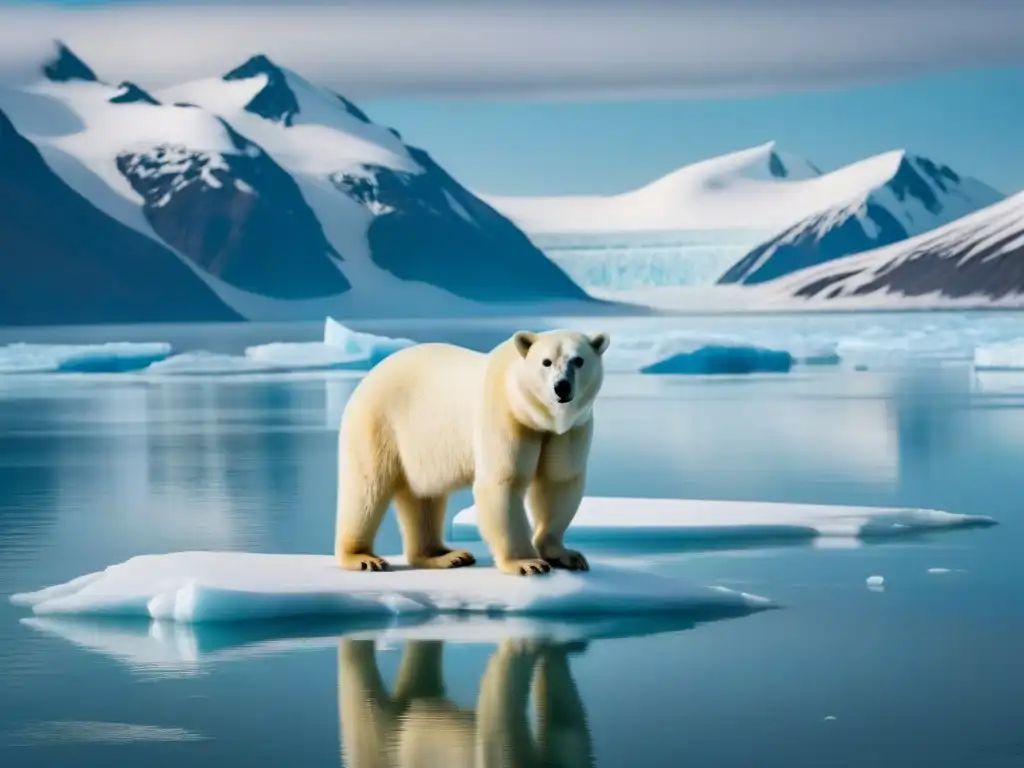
[(417, 725)]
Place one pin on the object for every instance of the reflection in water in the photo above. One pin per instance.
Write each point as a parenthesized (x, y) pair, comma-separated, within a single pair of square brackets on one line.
[(417, 724)]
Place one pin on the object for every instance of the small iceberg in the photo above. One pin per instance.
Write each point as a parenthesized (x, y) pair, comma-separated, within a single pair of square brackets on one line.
[(365, 345), (113, 357), (341, 349), (676, 354), (1004, 356), (718, 359), (194, 587), (623, 521)]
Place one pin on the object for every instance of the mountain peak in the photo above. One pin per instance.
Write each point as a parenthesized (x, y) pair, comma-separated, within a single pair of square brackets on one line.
[(275, 101), (130, 93), (259, 64), (65, 66)]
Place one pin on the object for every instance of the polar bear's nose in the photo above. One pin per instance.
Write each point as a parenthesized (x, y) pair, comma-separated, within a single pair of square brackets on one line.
[(563, 390)]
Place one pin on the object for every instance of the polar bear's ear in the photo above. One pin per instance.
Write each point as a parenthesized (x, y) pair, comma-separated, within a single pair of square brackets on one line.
[(523, 341), (600, 342)]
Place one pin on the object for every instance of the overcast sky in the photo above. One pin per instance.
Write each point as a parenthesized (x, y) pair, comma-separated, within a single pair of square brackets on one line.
[(525, 48)]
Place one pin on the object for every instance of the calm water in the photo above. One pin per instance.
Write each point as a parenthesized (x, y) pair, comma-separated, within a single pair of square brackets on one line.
[(928, 671)]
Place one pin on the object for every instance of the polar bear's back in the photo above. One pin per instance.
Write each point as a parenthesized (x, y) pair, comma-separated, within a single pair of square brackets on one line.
[(418, 405)]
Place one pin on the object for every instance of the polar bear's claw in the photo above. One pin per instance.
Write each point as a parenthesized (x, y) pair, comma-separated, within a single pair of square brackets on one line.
[(533, 567), (451, 558), (364, 563), (570, 560)]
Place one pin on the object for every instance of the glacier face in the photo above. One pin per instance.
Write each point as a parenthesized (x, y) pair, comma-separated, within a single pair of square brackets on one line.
[(622, 261)]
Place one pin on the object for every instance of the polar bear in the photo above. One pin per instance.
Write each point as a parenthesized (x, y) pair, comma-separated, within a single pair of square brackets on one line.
[(416, 723), (515, 424)]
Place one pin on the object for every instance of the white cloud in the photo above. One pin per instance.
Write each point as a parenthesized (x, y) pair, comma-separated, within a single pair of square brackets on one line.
[(530, 49)]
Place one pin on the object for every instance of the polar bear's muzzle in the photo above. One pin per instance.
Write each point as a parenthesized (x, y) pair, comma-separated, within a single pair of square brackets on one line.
[(563, 390)]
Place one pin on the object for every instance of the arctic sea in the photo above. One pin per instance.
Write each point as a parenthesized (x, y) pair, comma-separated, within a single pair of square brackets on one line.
[(923, 670)]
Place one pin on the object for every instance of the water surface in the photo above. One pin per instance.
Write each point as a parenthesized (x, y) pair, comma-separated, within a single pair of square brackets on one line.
[(926, 671)]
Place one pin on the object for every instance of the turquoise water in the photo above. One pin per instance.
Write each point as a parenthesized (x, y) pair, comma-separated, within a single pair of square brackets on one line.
[(926, 671)]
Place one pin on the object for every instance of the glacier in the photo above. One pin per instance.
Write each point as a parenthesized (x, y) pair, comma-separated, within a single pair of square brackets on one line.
[(620, 261)]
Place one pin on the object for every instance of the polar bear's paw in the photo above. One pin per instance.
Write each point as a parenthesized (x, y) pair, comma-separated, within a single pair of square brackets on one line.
[(569, 559), (526, 567), (445, 558), (364, 562)]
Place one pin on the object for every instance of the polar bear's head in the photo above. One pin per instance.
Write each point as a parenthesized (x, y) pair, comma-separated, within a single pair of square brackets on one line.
[(557, 377)]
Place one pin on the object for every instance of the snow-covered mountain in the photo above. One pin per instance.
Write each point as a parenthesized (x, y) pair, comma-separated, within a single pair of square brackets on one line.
[(63, 261), (891, 197), (272, 189), (757, 188), (977, 260)]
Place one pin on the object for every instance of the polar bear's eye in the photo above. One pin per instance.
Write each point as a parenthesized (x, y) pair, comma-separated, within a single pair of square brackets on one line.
[(577, 361), (546, 363)]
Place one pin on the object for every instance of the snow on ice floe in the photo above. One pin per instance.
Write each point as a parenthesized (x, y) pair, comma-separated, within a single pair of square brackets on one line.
[(194, 587), (626, 520), (114, 357)]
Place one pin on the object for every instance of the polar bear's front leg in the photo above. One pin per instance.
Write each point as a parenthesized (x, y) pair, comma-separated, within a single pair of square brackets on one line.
[(553, 504), (503, 525)]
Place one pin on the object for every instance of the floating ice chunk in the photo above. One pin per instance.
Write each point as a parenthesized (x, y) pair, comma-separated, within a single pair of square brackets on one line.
[(310, 356), (875, 581), (361, 344), (676, 521), (723, 359), (680, 354), (1004, 356), (209, 363), (341, 348), (236, 586), (829, 718), (113, 357)]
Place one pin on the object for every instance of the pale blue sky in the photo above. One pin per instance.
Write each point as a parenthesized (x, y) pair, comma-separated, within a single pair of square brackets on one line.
[(624, 83), (972, 121)]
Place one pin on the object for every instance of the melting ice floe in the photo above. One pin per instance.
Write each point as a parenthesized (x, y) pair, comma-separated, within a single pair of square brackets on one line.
[(341, 349), (672, 521), (177, 648), (237, 586)]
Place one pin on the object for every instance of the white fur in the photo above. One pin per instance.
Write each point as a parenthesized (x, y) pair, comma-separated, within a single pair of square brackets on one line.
[(434, 418)]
